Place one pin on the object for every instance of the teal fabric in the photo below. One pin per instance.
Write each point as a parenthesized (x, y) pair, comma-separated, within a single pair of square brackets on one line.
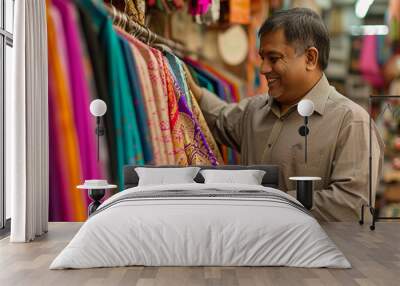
[(138, 102), (204, 82), (128, 145), (383, 51), (178, 71), (201, 80)]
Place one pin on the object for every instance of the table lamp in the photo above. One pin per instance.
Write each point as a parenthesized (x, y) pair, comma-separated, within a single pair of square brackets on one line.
[(305, 108), (98, 108), (304, 184)]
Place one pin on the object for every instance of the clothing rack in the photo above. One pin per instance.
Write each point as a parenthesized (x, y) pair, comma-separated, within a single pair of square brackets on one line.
[(369, 205), (143, 33)]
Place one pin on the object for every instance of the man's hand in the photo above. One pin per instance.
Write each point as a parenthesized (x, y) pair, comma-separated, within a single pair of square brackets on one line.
[(193, 86)]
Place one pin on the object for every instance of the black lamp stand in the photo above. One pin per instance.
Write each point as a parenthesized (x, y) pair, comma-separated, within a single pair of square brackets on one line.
[(96, 195), (303, 131), (99, 132), (304, 193), (304, 188)]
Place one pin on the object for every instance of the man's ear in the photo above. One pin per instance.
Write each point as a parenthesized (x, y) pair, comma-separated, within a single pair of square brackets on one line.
[(311, 58)]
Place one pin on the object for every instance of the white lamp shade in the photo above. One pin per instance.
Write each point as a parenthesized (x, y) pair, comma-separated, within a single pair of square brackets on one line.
[(305, 107), (98, 107)]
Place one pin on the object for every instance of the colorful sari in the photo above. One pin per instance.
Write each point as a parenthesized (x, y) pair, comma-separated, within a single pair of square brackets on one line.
[(64, 146), (174, 119), (197, 150), (160, 98)]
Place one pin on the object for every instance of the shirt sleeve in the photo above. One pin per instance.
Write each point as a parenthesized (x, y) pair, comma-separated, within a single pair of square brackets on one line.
[(225, 120), (349, 181)]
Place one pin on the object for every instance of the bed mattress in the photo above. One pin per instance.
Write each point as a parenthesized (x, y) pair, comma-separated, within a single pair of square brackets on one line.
[(201, 225)]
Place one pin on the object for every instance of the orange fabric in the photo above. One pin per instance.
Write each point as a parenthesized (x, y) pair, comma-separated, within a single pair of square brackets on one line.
[(70, 158), (259, 12), (239, 11), (175, 122)]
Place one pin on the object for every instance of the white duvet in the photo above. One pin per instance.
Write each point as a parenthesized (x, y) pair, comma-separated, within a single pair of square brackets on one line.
[(188, 231)]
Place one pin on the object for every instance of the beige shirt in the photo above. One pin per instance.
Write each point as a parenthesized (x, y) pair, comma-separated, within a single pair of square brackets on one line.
[(338, 145)]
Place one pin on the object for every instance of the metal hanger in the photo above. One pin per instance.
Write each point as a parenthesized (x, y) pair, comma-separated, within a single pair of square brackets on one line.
[(148, 36), (153, 38), (139, 34), (114, 13), (120, 19), (124, 21)]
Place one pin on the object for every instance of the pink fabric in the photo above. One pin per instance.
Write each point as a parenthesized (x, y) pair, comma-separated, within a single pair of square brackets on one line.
[(80, 92), (369, 67), (58, 171), (66, 158), (159, 152), (160, 96), (158, 147), (199, 7)]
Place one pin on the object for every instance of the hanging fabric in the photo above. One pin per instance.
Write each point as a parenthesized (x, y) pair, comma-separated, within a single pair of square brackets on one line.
[(65, 145), (152, 116), (369, 66), (159, 150), (81, 96), (160, 100), (175, 122), (212, 15), (129, 150), (135, 10), (199, 7), (196, 147), (239, 11), (141, 115), (210, 79), (97, 62), (177, 69)]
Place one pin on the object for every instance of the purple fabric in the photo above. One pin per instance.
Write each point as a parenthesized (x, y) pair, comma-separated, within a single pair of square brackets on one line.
[(80, 92), (56, 210), (198, 136), (58, 171)]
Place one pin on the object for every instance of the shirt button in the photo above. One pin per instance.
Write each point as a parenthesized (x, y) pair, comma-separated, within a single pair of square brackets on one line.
[(269, 145)]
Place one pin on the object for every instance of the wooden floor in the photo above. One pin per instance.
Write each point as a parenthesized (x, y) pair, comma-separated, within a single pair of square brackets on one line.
[(375, 257)]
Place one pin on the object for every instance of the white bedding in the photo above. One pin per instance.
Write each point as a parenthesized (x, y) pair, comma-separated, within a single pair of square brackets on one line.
[(183, 231)]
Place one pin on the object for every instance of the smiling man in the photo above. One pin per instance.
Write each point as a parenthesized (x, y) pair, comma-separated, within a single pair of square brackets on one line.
[(294, 48)]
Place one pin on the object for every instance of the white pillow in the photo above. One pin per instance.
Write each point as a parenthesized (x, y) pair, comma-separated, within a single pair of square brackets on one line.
[(248, 177), (162, 176)]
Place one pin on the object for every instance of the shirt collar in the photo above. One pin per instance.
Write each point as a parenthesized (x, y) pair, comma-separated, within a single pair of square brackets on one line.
[(318, 95)]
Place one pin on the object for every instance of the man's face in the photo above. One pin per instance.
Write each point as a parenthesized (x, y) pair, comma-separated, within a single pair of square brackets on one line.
[(284, 69)]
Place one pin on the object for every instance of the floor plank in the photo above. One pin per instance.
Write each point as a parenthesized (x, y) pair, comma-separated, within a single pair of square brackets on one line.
[(375, 257)]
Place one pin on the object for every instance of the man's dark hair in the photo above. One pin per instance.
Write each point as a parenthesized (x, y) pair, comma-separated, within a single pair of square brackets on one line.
[(302, 27)]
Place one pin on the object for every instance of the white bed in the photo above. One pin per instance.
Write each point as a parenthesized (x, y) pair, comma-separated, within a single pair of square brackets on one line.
[(203, 225)]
